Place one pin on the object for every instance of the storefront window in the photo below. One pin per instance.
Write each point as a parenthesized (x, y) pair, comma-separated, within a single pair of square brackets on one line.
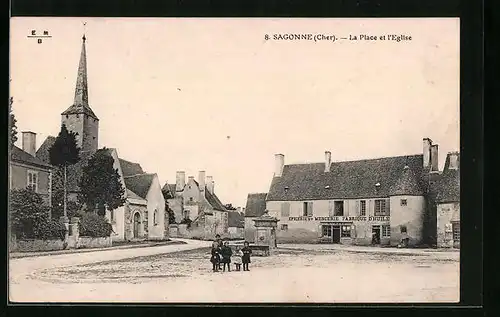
[(327, 231), (346, 232), (456, 231)]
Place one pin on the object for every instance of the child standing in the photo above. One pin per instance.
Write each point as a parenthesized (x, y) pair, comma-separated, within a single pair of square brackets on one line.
[(246, 256), (237, 261), (215, 257), (226, 253)]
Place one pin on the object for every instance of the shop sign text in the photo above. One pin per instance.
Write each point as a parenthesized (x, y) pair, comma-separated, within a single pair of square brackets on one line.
[(341, 218)]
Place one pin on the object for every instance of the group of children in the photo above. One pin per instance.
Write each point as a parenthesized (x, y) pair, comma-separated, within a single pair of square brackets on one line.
[(222, 253)]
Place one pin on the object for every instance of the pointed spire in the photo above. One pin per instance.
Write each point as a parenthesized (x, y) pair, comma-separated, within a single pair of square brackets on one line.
[(81, 90)]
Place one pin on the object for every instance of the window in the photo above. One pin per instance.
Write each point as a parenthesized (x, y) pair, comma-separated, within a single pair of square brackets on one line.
[(362, 208), (403, 202), (191, 199), (308, 209), (155, 217), (285, 209), (67, 116), (32, 182), (380, 207), (386, 231), (403, 229), (338, 208), (345, 231), (112, 216), (284, 227), (186, 214), (456, 231), (326, 231)]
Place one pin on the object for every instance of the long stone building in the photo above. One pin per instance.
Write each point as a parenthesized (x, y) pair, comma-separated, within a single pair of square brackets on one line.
[(382, 201)]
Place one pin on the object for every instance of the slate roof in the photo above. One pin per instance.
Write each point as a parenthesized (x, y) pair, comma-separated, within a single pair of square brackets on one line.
[(236, 219), (130, 168), (407, 184), (447, 187), (43, 151), (139, 184), (214, 201), (169, 188), (131, 194), (256, 205), (346, 180), (20, 156)]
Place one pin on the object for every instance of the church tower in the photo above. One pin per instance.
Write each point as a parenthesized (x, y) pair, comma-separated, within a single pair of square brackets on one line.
[(79, 117)]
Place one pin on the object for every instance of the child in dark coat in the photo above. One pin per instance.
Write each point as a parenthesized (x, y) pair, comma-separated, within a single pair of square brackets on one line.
[(215, 257), (226, 253), (245, 259)]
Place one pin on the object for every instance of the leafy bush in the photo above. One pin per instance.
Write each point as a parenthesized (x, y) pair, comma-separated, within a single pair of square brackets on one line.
[(186, 221), (50, 229), (29, 216), (93, 225)]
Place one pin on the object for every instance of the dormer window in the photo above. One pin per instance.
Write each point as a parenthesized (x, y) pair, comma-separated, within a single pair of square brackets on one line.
[(77, 115), (327, 186), (286, 187)]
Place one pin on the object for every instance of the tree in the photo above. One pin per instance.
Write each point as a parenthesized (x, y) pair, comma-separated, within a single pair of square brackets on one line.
[(100, 184), (170, 212), (12, 125), (72, 207), (64, 152), (229, 207)]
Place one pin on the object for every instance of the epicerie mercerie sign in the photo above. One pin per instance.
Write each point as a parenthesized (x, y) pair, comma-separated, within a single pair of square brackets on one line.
[(341, 218)]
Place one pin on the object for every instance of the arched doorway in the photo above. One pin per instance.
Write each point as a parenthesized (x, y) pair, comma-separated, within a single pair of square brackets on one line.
[(137, 222)]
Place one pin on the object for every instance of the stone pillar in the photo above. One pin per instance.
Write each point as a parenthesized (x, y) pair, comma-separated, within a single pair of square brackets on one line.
[(74, 227), (265, 231), (65, 221)]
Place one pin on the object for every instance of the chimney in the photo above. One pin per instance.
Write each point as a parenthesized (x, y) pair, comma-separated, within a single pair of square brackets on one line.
[(279, 163), (29, 142), (427, 152), (454, 160), (434, 158), (328, 161), (201, 180), (180, 181), (210, 184)]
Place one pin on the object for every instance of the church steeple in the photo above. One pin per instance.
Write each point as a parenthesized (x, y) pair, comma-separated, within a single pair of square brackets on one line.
[(82, 89), (80, 118), (81, 100)]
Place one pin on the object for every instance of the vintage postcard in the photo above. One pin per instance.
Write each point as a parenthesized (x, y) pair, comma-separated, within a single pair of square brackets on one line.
[(277, 160)]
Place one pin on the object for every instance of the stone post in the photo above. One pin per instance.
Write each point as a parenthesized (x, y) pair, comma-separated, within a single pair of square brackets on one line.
[(75, 227), (265, 233), (65, 221)]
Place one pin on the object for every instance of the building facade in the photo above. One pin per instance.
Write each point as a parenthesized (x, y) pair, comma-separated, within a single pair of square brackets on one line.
[(196, 202), (383, 201), (143, 214), (447, 190), (255, 207), (28, 171)]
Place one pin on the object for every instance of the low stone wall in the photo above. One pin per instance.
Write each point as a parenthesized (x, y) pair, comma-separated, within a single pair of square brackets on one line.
[(90, 242), (37, 245), (173, 230)]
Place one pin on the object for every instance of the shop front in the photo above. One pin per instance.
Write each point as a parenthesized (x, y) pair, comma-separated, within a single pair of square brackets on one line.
[(336, 232)]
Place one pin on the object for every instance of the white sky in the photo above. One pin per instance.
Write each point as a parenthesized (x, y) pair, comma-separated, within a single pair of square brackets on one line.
[(356, 99)]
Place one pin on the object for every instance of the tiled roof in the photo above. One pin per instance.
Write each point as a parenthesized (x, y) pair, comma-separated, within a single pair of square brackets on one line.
[(169, 188), (132, 195), (236, 219), (139, 184), (447, 187), (214, 201), (130, 168), (20, 156), (43, 151), (346, 180), (407, 184), (256, 205)]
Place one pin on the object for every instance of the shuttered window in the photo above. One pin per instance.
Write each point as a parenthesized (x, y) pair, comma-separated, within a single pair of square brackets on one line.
[(307, 209), (285, 209)]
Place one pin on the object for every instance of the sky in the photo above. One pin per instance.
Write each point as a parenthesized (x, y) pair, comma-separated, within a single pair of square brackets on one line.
[(214, 95)]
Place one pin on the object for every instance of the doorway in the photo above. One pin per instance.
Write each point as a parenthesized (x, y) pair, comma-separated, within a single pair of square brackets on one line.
[(137, 222), (336, 234), (376, 234)]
